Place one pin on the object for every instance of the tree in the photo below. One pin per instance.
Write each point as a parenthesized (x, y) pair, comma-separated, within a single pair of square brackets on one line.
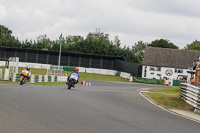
[(117, 41), (6, 39), (195, 45), (95, 43), (42, 42), (27, 44), (139, 50), (163, 43)]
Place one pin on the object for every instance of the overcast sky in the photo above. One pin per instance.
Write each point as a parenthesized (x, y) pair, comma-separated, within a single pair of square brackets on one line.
[(132, 20)]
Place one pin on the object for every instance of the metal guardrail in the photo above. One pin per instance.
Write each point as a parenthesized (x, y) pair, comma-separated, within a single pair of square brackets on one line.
[(191, 94)]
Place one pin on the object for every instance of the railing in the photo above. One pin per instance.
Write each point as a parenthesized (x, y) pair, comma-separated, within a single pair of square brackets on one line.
[(191, 94)]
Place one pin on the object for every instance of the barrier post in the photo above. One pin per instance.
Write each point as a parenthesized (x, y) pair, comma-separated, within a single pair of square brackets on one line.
[(197, 76)]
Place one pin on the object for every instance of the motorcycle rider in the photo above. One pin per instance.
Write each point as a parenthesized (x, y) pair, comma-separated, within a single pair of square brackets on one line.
[(76, 72), (28, 68)]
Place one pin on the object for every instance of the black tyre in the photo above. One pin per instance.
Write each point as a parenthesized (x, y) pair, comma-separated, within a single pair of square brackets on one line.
[(71, 83), (22, 81)]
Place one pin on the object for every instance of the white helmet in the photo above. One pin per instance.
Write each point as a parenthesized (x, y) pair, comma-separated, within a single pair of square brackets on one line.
[(28, 68)]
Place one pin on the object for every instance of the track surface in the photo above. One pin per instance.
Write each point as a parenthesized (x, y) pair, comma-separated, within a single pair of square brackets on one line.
[(105, 107)]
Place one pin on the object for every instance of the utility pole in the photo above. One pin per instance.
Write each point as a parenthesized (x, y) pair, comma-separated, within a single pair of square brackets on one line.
[(60, 42)]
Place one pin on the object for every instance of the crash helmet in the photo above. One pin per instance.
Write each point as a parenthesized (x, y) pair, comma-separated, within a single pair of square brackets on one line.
[(28, 68), (76, 69)]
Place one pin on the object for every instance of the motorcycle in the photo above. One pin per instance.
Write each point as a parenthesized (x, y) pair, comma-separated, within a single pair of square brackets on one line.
[(72, 80), (24, 77)]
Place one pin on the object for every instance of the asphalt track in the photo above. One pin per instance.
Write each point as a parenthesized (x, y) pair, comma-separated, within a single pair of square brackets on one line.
[(104, 107)]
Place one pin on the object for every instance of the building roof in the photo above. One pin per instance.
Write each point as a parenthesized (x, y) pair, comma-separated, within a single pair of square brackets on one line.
[(166, 57)]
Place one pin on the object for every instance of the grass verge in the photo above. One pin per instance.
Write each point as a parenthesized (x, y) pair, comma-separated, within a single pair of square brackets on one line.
[(90, 76), (83, 76), (6, 82), (168, 98)]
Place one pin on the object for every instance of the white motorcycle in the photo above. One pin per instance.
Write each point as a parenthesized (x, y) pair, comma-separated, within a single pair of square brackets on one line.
[(72, 80)]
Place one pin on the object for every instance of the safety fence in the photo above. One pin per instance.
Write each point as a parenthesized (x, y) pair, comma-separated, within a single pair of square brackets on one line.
[(41, 78), (72, 59), (191, 94)]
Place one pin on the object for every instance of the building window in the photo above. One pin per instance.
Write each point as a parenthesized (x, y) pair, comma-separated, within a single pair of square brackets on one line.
[(145, 71), (155, 68), (177, 70)]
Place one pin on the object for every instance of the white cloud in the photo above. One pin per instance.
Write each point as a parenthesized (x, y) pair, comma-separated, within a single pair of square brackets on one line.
[(132, 20), (2, 12)]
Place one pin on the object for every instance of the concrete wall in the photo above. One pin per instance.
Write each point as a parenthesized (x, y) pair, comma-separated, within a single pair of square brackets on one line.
[(32, 65), (163, 72)]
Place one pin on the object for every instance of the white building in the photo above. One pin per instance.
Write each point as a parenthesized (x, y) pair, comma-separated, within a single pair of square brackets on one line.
[(169, 63)]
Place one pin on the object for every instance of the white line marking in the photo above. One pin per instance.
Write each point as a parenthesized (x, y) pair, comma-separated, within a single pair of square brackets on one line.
[(167, 109)]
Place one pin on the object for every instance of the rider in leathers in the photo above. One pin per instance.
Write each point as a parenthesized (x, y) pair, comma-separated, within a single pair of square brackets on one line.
[(74, 72), (28, 68)]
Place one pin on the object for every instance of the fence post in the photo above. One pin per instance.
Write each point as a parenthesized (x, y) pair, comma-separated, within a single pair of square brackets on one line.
[(197, 76)]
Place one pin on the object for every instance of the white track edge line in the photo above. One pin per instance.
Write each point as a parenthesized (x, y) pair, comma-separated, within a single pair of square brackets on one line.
[(167, 109)]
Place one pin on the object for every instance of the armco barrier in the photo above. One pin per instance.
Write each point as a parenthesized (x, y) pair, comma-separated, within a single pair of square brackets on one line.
[(41, 78), (125, 75), (191, 94)]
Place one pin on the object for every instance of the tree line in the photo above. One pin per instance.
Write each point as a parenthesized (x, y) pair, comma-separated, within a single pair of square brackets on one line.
[(95, 43)]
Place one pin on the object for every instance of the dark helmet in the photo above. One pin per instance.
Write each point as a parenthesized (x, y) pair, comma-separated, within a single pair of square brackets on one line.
[(28, 68)]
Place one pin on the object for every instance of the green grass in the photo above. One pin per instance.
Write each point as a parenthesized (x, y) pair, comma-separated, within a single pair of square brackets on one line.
[(34, 71), (2, 67), (6, 82), (90, 76), (168, 97), (83, 76)]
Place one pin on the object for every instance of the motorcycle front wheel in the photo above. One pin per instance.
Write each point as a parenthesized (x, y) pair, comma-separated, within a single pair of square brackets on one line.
[(71, 83), (69, 87), (22, 81)]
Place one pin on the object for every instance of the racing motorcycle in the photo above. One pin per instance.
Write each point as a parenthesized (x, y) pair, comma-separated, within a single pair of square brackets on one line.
[(24, 77), (72, 80)]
